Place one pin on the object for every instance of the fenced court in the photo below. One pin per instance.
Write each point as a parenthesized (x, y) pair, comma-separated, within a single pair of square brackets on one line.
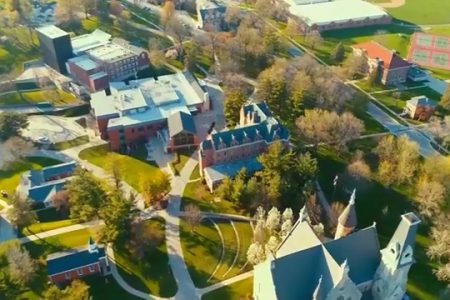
[(430, 50)]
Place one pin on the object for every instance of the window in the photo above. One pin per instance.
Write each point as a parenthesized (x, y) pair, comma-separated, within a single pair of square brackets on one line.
[(92, 269), (132, 130), (67, 275), (140, 129), (80, 271)]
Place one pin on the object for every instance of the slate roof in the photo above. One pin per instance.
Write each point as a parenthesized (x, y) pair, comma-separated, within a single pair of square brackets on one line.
[(267, 128), (59, 169), (73, 259), (181, 122), (422, 101), (376, 51), (220, 171), (40, 193)]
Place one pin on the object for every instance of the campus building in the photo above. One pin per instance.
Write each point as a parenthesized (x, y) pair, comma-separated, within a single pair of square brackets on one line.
[(430, 50), (41, 185), (100, 60), (392, 68), (136, 111), (349, 267), (210, 15), (338, 14), (225, 152), (420, 108), (72, 264), (55, 47)]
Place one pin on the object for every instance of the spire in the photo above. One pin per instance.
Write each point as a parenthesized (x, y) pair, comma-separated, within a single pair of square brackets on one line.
[(318, 292), (303, 216), (347, 221), (92, 246)]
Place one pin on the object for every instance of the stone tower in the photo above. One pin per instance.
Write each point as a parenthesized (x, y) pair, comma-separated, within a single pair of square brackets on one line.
[(347, 220), (396, 259)]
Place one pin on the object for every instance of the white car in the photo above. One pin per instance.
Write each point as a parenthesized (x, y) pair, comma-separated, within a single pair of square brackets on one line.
[(43, 140)]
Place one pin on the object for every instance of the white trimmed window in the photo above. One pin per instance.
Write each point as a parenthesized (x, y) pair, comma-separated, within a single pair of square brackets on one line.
[(67, 275), (80, 272), (92, 269)]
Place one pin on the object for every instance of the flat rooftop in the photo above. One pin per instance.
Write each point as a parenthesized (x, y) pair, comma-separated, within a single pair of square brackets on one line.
[(52, 31), (338, 11), (89, 41), (110, 53), (84, 62)]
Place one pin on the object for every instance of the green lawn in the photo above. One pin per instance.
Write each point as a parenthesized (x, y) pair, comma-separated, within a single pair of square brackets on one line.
[(384, 206), (198, 194), (205, 243), (17, 98), (420, 12), (10, 176), (81, 140), (151, 274), (134, 167), (49, 219), (195, 173), (241, 290), (180, 158)]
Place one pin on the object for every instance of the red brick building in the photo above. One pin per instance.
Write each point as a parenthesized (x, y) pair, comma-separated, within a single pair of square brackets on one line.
[(139, 110), (393, 69), (181, 132), (420, 108), (69, 265)]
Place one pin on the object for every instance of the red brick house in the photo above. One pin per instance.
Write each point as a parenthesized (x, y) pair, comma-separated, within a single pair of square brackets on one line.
[(393, 68), (226, 152), (420, 108), (69, 265), (139, 110)]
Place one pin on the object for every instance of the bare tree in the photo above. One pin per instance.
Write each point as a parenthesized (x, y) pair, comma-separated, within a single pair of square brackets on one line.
[(358, 168), (193, 216), (156, 53), (18, 147), (144, 237), (60, 200), (175, 28), (66, 11), (20, 213), (20, 264), (313, 39), (167, 12), (430, 195)]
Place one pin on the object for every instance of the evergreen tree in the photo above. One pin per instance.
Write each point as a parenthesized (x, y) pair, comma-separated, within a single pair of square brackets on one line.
[(11, 124), (86, 195), (234, 99), (338, 53)]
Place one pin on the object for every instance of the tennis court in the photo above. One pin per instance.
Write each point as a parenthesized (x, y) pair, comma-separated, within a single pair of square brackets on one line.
[(430, 50)]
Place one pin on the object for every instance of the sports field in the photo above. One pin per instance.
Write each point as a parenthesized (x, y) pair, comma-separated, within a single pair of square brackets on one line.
[(422, 11), (430, 50)]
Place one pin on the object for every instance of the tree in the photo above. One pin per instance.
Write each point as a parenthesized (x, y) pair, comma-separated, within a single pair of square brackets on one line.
[(143, 238), (386, 172), (358, 168), (155, 189), (115, 169), (17, 147), (156, 52), (234, 100), (445, 99), (167, 12), (20, 213), (77, 290), (286, 228), (272, 244), (440, 248), (60, 200), (122, 21), (259, 234), (313, 39), (115, 8), (66, 11), (288, 215), (191, 57), (12, 124), (355, 64), (338, 53), (307, 166), (225, 189), (292, 29), (175, 28), (20, 264), (430, 195), (256, 253), (86, 195), (273, 219), (321, 126), (116, 212), (193, 216), (233, 16), (88, 6)]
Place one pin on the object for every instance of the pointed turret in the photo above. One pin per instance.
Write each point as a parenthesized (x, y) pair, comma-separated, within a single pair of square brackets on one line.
[(92, 246), (303, 215), (347, 221)]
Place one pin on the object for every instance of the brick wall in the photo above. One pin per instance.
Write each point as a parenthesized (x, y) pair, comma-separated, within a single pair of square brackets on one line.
[(73, 274)]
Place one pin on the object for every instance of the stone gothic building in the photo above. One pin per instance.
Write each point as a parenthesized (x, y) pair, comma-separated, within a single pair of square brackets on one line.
[(350, 267)]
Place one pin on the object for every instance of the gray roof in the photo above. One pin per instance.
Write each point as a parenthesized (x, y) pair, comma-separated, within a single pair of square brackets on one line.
[(422, 100), (405, 235), (181, 122)]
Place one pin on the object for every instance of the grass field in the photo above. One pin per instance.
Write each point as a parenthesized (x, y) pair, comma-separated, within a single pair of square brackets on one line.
[(384, 206), (420, 12), (180, 158), (241, 290), (48, 219), (81, 140), (134, 167), (10, 176), (151, 274), (205, 242), (19, 98)]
